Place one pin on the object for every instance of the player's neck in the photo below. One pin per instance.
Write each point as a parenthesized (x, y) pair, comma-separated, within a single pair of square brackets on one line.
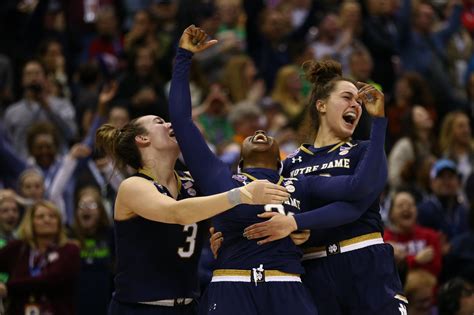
[(161, 170), (325, 137)]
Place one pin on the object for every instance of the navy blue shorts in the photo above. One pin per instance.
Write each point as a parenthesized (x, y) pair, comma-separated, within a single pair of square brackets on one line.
[(272, 298), (120, 308), (363, 281)]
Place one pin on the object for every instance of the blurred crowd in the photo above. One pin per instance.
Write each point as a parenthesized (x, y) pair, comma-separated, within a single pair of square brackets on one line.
[(68, 66)]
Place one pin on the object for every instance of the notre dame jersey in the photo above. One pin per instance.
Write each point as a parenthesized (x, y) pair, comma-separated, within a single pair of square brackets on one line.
[(157, 261)]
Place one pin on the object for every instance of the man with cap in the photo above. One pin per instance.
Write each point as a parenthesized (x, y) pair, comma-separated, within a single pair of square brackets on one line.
[(443, 209)]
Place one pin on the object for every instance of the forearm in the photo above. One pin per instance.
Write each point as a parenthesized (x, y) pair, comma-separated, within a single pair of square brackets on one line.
[(369, 170), (67, 126), (192, 210), (89, 140), (204, 166)]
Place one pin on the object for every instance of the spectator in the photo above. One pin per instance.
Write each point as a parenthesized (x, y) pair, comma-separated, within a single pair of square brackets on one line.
[(456, 297), (423, 50), (9, 217), (287, 92), (240, 78), (31, 185), (38, 105), (93, 231), (442, 210), (142, 86), (414, 245), (51, 55), (420, 290), (42, 265), (410, 90), (456, 142), (411, 155)]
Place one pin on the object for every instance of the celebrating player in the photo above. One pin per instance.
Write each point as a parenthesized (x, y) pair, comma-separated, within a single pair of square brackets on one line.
[(156, 255)]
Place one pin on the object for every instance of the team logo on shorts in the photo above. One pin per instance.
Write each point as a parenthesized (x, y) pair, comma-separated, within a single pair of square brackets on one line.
[(403, 309), (333, 249)]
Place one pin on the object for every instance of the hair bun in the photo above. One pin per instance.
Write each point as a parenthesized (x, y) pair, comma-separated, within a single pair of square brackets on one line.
[(323, 71)]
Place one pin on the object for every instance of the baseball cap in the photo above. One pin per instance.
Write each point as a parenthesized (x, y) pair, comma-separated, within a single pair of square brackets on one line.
[(441, 165)]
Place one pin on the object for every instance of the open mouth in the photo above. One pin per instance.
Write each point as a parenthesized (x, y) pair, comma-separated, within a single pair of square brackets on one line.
[(350, 117), (260, 138), (171, 133)]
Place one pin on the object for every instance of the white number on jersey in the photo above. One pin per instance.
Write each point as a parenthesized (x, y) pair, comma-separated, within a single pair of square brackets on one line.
[(278, 208), (191, 239)]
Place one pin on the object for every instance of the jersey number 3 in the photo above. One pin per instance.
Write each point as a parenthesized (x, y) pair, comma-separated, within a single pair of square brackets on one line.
[(190, 241), (278, 208)]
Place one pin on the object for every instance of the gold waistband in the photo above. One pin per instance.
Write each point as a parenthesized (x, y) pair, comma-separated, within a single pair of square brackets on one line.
[(248, 273), (351, 241)]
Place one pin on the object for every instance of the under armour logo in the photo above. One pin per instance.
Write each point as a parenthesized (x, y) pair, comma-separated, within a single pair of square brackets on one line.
[(293, 160), (402, 308)]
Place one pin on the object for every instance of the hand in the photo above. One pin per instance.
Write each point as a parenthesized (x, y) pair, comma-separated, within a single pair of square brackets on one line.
[(3, 290), (299, 237), (372, 99), (216, 241), (79, 151), (261, 192), (278, 227), (107, 93), (399, 252), (194, 39), (425, 256)]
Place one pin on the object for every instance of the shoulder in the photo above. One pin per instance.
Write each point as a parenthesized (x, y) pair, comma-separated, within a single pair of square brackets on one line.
[(427, 232), (14, 108)]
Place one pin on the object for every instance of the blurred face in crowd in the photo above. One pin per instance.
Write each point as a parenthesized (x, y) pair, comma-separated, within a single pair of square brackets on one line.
[(379, 7), (88, 211), (361, 66), (446, 184), (246, 126), (44, 150), (350, 13), (424, 18), (275, 24), (144, 61), (119, 117), (330, 27), (340, 112), (403, 91), (461, 129), (106, 23), (141, 23), (45, 222), (32, 186), (421, 118), (466, 303), (403, 212), (53, 53), (9, 215), (420, 303), (33, 74), (165, 10), (229, 11)]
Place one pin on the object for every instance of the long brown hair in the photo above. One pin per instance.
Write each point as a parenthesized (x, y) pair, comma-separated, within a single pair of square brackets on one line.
[(119, 144), (323, 75)]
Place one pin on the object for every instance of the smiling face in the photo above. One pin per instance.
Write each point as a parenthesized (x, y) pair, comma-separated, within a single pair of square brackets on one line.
[(9, 215), (45, 222), (260, 149), (340, 112), (160, 133), (403, 213), (32, 186)]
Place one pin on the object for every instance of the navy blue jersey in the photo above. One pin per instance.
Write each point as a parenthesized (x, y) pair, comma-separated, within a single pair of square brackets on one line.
[(338, 160), (213, 176), (157, 261)]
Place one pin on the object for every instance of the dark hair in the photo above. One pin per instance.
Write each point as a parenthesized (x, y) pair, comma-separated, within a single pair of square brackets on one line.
[(323, 75), (120, 144), (449, 296), (41, 128)]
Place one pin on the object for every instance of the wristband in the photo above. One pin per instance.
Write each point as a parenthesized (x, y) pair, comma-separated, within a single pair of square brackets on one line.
[(233, 196)]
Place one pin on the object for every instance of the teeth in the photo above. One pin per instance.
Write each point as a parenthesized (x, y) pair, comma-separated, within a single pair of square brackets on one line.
[(351, 115)]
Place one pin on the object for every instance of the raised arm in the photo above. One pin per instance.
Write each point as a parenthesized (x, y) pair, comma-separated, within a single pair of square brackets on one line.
[(155, 206), (204, 166)]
